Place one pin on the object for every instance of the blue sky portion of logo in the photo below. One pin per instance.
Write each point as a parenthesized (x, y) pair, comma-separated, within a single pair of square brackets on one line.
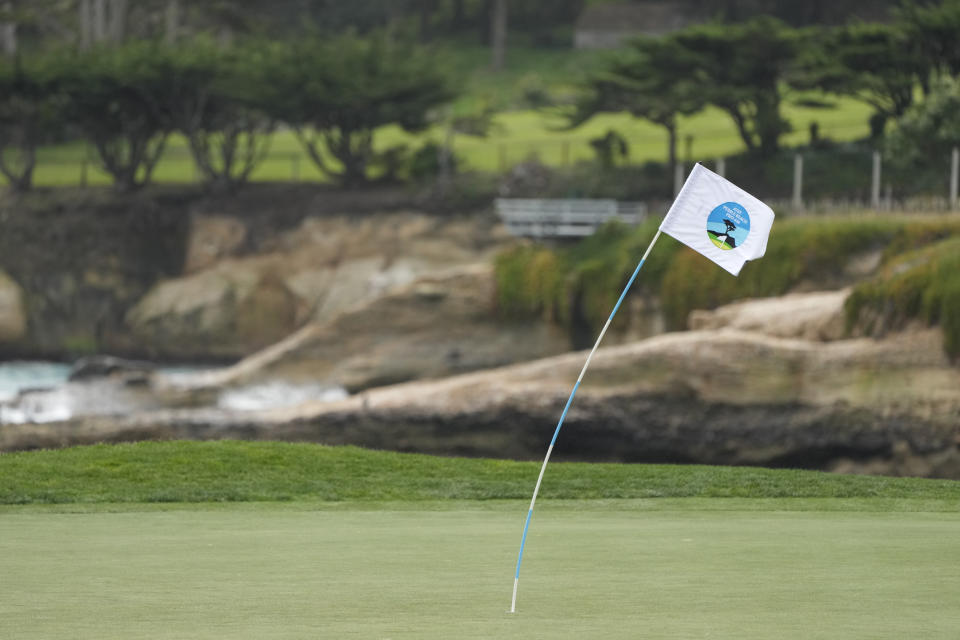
[(728, 225)]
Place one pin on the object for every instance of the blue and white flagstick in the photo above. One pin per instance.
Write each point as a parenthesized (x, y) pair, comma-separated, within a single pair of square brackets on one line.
[(536, 490)]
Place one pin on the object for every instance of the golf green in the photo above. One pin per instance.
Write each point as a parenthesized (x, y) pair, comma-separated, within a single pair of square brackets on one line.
[(592, 569)]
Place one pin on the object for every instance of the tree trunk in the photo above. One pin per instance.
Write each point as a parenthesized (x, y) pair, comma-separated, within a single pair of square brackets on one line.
[(225, 37), (172, 32), (118, 20), (498, 34), (740, 121), (99, 20), (671, 128), (23, 160), (8, 33), (86, 24), (424, 20), (459, 16)]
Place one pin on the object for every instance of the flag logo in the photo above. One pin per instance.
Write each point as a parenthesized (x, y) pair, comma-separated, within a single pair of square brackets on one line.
[(728, 225)]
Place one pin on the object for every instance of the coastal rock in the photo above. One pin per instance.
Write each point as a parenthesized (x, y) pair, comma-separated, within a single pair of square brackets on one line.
[(311, 274), (212, 238), (221, 312), (93, 367), (810, 316), (436, 326)]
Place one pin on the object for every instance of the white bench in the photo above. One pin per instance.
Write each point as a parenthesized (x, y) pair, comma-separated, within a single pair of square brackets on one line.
[(574, 218)]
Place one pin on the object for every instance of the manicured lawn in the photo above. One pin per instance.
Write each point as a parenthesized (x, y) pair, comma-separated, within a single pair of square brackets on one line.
[(268, 540), (593, 570)]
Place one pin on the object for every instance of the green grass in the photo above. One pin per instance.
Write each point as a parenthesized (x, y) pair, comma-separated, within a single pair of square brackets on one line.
[(343, 542), (614, 571), (231, 471)]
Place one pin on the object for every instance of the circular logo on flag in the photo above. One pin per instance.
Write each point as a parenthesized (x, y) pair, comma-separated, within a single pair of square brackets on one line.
[(728, 225)]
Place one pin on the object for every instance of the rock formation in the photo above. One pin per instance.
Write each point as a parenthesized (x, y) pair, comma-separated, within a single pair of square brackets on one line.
[(229, 306)]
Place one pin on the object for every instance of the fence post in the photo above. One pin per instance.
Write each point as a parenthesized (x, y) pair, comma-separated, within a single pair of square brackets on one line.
[(295, 161), (797, 182), (875, 184), (722, 167), (677, 178), (954, 176)]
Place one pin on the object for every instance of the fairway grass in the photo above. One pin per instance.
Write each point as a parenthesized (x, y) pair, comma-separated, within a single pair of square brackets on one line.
[(610, 570), (257, 540)]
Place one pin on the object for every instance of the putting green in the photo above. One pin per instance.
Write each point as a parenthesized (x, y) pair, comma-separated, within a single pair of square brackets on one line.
[(611, 569)]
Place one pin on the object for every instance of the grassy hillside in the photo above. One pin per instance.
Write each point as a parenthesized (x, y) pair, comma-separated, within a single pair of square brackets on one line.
[(244, 471)]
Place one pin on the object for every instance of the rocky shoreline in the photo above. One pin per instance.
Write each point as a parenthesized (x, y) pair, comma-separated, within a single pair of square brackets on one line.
[(711, 397)]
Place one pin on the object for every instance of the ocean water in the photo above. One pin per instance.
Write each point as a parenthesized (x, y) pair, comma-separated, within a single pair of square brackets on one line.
[(277, 394), (38, 392), (19, 375)]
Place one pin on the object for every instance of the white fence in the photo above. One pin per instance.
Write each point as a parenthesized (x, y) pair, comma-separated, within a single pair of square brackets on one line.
[(573, 218), (878, 200)]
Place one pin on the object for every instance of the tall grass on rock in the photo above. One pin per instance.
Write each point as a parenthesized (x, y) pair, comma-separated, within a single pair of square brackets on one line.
[(579, 281), (923, 284), (583, 281)]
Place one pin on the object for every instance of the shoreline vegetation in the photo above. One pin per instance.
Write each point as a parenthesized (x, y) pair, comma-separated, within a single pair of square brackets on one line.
[(917, 272)]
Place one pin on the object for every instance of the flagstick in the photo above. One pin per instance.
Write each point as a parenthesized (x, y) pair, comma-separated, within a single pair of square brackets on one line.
[(536, 490)]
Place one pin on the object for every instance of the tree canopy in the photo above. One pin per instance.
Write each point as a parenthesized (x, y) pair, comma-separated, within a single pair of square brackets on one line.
[(928, 131), (744, 69), (873, 63), (651, 79), (114, 95), (336, 92), (932, 30), (30, 108), (215, 100)]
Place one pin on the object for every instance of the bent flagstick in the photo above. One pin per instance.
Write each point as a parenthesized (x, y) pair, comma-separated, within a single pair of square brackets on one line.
[(536, 490), (712, 216)]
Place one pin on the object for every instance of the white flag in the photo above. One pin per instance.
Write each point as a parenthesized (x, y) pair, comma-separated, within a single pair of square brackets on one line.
[(718, 219)]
